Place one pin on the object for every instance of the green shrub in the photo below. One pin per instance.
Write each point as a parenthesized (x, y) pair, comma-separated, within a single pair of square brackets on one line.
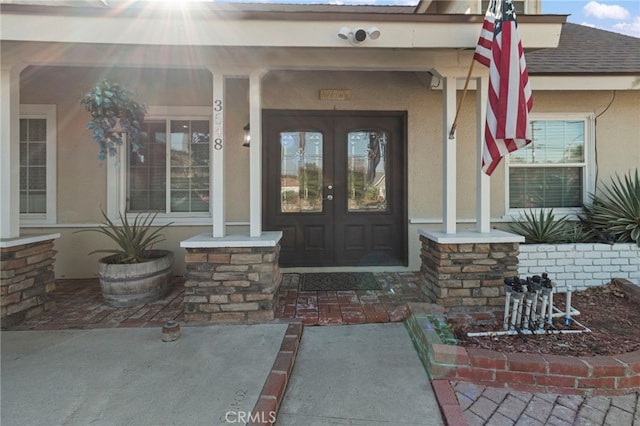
[(577, 232), (615, 212), (542, 229), (613, 216)]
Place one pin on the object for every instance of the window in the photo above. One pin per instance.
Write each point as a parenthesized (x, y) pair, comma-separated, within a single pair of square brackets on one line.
[(518, 4), (170, 174), (553, 170), (38, 164)]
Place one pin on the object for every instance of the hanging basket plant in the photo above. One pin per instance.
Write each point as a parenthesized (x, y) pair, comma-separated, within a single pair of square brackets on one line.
[(114, 113)]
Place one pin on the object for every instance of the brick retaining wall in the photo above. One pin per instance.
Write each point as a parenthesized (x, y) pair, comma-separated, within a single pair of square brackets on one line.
[(26, 278), (229, 285), (599, 375)]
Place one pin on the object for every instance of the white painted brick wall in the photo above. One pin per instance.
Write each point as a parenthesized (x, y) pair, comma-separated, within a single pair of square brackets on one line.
[(581, 265)]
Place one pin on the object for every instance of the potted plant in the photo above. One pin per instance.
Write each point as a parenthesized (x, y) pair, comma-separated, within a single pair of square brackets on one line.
[(114, 112), (134, 273)]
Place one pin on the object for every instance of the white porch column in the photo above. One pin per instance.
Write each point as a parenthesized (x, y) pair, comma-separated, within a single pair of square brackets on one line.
[(449, 156), (483, 188), (255, 153), (10, 150), (216, 173)]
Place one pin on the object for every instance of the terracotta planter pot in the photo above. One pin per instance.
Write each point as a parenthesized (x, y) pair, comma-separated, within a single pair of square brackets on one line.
[(137, 283)]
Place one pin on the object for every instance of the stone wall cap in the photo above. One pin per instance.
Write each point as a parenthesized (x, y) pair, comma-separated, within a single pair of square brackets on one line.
[(472, 237), (27, 239), (267, 239)]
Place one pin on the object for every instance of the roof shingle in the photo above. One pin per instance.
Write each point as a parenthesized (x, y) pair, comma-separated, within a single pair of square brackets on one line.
[(586, 50)]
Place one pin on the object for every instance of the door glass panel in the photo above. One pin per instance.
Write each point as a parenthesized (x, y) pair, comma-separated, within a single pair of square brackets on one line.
[(367, 171), (301, 172)]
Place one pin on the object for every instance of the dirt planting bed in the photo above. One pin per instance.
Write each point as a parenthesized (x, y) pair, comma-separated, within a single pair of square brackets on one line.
[(611, 312)]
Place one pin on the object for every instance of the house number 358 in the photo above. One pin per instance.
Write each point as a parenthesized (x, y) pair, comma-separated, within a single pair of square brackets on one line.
[(217, 121)]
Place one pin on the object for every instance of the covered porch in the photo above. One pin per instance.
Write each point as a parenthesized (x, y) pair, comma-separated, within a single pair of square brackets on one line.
[(228, 69)]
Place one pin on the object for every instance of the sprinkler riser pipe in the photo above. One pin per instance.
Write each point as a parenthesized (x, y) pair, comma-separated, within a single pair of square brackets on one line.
[(527, 314), (567, 317), (507, 300)]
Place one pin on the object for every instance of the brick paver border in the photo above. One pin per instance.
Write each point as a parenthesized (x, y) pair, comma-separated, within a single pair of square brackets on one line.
[(589, 376), (265, 410)]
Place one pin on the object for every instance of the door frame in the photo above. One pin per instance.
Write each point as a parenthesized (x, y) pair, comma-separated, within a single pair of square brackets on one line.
[(269, 114)]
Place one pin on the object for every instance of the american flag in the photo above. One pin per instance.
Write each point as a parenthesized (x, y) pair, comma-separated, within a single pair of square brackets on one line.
[(507, 128), (483, 49)]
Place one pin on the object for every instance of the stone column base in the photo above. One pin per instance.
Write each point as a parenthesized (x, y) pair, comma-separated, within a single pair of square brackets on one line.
[(26, 278), (465, 272), (231, 284)]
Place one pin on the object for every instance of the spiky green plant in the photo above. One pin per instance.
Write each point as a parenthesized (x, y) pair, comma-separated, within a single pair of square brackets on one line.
[(615, 211), (576, 232), (134, 239), (542, 229)]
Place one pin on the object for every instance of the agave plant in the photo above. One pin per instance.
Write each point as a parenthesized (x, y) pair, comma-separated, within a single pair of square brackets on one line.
[(134, 239), (616, 211), (577, 232), (542, 229)]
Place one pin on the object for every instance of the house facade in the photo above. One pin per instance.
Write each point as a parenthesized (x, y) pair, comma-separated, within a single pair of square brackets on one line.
[(348, 109)]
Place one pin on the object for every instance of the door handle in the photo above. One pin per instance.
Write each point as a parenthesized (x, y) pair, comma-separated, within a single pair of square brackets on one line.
[(329, 197)]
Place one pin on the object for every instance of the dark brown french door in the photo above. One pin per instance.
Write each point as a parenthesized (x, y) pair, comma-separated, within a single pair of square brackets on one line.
[(334, 183)]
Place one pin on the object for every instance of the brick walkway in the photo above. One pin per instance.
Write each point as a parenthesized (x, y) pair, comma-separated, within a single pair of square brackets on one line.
[(502, 407), (348, 307), (78, 304)]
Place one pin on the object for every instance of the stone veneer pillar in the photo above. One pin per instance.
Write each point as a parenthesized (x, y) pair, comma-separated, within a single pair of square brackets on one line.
[(26, 277), (466, 271), (231, 279)]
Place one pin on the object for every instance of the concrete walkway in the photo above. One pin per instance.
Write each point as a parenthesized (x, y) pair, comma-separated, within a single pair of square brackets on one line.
[(367, 374), (131, 377)]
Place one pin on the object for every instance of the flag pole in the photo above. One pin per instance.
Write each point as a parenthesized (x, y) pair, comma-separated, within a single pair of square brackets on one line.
[(464, 94)]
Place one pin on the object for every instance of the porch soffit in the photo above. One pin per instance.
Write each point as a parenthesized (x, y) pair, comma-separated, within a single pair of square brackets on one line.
[(240, 61), (265, 29)]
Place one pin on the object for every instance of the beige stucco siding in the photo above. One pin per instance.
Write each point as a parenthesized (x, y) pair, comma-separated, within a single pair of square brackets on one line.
[(82, 182), (82, 179), (617, 124), (378, 91)]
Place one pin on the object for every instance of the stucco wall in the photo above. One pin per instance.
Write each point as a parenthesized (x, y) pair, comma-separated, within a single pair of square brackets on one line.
[(73, 261), (82, 189), (377, 91), (82, 180), (617, 126)]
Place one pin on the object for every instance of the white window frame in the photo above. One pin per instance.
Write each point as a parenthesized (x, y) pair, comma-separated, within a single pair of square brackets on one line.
[(588, 175), (527, 6), (118, 165), (48, 113)]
